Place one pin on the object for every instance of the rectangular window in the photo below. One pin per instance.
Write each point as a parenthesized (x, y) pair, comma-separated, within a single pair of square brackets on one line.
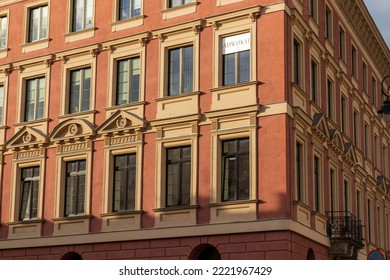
[(235, 169), (176, 3), (297, 62), (1, 104), (235, 59), (358, 205), (355, 127), (366, 140), (314, 81), (80, 90), (388, 231), (3, 32), (328, 24), (35, 99), (129, 9), (178, 176), (29, 186), (369, 226), (124, 182), (317, 187), (385, 160), (75, 188), (343, 114), (373, 91), (354, 61), (376, 151), (332, 183), (379, 227), (346, 196), (299, 170), (342, 43), (329, 90), (127, 86), (82, 14), (364, 77), (180, 70), (313, 9), (38, 23)]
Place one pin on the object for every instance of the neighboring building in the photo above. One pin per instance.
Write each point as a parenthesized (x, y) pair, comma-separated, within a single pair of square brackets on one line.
[(233, 129)]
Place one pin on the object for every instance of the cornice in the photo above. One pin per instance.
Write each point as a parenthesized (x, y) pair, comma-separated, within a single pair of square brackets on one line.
[(364, 26)]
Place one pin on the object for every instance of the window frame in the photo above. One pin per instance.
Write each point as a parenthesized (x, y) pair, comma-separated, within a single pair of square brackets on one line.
[(81, 98), (183, 2), (131, 12), (297, 50), (30, 9), (4, 14), (354, 62), (72, 20), (36, 117), (313, 10), (315, 81), (328, 24), (182, 63), (364, 77), (330, 96), (342, 43)]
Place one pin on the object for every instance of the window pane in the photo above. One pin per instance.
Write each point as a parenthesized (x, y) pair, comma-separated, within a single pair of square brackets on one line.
[(136, 8), (122, 82), (3, 32), (244, 66), (75, 187), (135, 72), (174, 72), (86, 89), (78, 15), (229, 180), (30, 100), (124, 182), (88, 14), (243, 177), (1, 103), (29, 193), (34, 24), (229, 69), (187, 69), (41, 98)]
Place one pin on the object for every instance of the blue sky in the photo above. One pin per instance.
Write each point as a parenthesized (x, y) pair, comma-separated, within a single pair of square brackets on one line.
[(380, 12)]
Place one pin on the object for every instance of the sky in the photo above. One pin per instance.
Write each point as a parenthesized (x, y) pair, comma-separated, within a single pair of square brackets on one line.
[(380, 12)]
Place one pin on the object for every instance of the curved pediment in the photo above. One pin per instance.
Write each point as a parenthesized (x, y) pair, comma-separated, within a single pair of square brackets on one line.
[(121, 121), (26, 137), (320, 126), (336, 141), (72, 129)]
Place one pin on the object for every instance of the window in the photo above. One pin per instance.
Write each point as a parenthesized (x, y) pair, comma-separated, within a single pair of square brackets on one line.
[(354, 61), (328, 24), (342, 43), (235, 59), (75, 188), (358, 204), (129, 9), (3, 32), (1, 103), (317, 187), (373, 91), (369, 219), (314, 81), (329, 90), (35, 99), (38, 22), (235, 169), (176, 3), (80, 90), (178, 176), (128, 80), (355, 127), (313, 9), (376, 151), (299, 170), (180, 69), (379, 227), (124, 182), (82, 14), (385, 160), (346, 194), (29, 186), (343, 114), (332, 186), (297, 56), (366, 140), (364, 77)]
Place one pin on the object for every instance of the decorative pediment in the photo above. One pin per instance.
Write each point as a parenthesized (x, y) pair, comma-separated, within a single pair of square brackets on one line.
[(336, 141), (122, 122), (320, 126), (72, 130), (350, 154), (26, 138), (381, 185)]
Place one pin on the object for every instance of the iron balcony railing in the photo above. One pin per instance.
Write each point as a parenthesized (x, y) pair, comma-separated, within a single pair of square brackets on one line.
[(342, 225)]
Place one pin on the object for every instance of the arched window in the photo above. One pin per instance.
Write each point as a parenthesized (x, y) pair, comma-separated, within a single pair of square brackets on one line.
[(71, 256), (205, 252)]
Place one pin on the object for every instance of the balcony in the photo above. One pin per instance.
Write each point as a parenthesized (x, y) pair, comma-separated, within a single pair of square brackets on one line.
[(345, 233)]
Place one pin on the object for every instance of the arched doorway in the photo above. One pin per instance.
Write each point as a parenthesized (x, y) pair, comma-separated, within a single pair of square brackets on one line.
[(205, 252), (310, 255), (71, 256)]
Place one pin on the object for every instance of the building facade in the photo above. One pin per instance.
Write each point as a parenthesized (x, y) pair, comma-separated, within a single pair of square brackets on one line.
[(220, 129)]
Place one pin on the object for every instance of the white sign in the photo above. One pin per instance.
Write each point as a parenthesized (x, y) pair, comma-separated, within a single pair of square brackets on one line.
[(237, 43)]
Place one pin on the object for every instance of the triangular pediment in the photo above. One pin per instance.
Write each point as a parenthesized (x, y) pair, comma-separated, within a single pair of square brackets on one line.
[(26, 137), (122, 121), (72, 129), (336, 140), (320, 125), (381, 184), (350, 153)]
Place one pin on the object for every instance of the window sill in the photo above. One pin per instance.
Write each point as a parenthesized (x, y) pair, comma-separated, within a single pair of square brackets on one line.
[(80, 35), (234, 96), (25, 229), (77, 224), (181, 10), (127, 23), (233, 211), (35, 45), (4, 52), (178, 106), (175, 216), (119, 221)]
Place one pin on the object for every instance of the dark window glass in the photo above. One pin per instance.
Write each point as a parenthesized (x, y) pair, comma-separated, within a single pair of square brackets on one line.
[(297, 62), (299, 170), (314, 81), (178, 176), (128, 81), (124, 182), (235, 169), (129, 9), (29, 186), (38, 23), (35, 99), (75, 187), (317, 196), (180, 69), (80, 90)]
